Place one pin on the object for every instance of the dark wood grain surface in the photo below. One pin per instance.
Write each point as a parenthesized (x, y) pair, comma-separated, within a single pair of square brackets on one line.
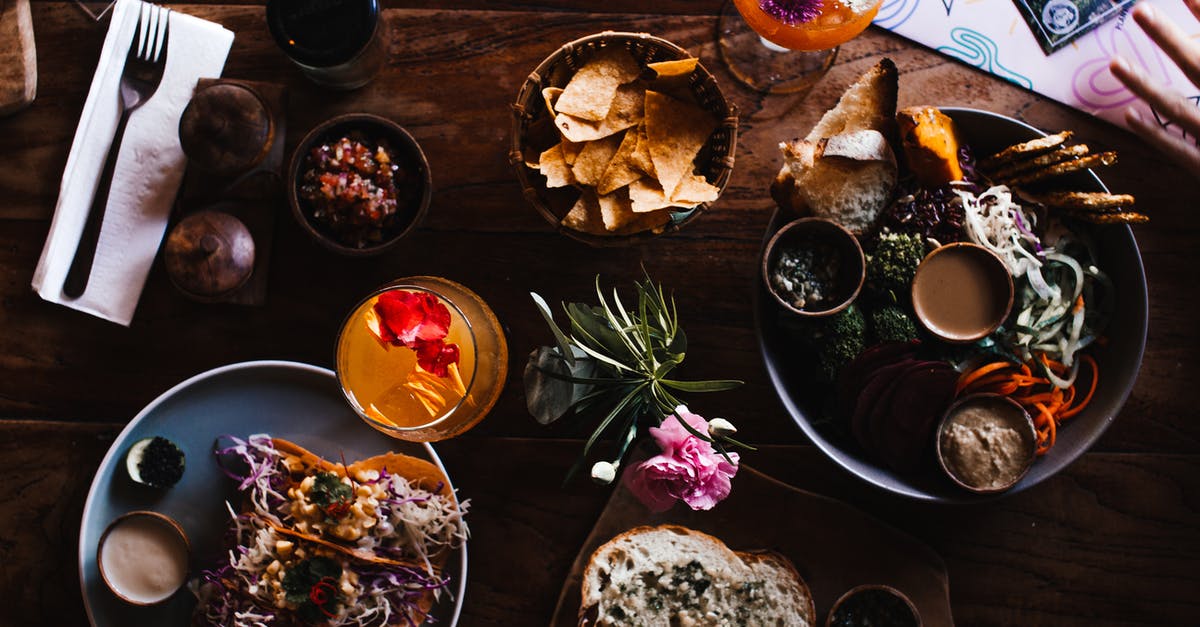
[(1113, 540)]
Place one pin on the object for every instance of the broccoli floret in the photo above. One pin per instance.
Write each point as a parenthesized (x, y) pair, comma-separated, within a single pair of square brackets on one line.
[(843, 337), (890, 268), (891, 324)]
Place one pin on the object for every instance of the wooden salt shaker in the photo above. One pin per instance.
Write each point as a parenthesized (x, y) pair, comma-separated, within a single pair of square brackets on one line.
[(209, 255), (226, 130)]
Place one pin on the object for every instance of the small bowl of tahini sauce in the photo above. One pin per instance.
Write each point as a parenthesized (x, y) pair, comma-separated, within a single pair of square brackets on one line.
[(143, 557), (962, 292), (986, 443)]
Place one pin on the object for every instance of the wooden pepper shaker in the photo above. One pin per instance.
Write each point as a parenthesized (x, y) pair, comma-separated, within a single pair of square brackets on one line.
[(209, 255), (226, 129)]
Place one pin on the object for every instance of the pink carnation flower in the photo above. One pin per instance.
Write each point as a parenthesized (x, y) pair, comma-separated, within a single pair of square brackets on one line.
[(689, 468)]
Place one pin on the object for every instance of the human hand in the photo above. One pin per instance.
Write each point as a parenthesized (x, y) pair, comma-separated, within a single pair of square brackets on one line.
[(1167, 102)]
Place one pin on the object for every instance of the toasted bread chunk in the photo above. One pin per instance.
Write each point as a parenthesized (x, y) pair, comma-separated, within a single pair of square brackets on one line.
[(671, 575), (846, 178), (870, 103)]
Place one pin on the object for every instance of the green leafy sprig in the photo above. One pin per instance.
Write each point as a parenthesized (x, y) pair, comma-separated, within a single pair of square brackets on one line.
[(613, 366)]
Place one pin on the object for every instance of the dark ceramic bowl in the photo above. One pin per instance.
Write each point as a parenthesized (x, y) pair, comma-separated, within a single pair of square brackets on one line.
[(994, 274), (792, 370), (414, 191), (916, 616), (852, 269)]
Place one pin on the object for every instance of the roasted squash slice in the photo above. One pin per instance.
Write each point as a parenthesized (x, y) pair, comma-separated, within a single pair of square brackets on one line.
[(930, 144)]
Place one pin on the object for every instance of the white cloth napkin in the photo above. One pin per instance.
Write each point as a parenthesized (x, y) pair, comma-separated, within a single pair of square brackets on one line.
[(148, 172)]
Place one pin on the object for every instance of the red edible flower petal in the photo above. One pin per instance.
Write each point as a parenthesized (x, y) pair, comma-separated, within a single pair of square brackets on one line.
[(436, 356), (410, 317)]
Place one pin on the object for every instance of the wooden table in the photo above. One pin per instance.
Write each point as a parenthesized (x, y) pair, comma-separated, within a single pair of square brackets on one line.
[(1115, 539)]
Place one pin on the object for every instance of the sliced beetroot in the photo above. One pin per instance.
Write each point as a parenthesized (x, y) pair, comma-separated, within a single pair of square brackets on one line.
[(907, 431), (874, 387), (855, 375), (884, 407)]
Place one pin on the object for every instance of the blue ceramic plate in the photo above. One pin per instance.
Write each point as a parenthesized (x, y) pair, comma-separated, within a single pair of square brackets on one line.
[(298, 402), (791, 368)]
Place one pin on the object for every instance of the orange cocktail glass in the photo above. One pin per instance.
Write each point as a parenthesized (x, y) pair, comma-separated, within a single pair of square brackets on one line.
[(422, 359), (784, 46)]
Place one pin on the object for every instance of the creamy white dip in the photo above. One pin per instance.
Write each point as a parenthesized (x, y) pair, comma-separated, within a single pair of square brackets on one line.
[(144, 559)]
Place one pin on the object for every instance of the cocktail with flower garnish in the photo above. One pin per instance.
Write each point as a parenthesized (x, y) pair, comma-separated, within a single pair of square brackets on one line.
[(422, 359), (785, 46)]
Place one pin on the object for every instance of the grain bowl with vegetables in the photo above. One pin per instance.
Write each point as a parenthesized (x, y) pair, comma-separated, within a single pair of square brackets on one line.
[(870, 384)]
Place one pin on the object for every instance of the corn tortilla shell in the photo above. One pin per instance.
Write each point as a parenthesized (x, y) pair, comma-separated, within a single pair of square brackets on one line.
[(553, 165), (620, 171), (585, 215), (678, 67), (628, 109)]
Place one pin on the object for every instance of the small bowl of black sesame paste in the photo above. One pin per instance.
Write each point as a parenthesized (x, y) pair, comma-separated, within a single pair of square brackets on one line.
[(359, 183), (813, 267), (873, 605), (156, 462)]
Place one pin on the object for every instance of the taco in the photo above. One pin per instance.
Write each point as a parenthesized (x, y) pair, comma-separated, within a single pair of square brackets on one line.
[(369, 539)]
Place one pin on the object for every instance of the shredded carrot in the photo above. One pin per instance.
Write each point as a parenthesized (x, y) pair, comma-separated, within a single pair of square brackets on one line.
[(1046, 403)]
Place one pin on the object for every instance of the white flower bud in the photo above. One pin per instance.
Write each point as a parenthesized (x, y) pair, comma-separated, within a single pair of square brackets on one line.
[(721, 428), (604, 472)]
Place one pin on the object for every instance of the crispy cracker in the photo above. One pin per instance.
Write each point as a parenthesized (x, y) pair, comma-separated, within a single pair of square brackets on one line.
[(641, 155), (1026, 149), (647, 195), (676, 132), (1014, 168), (616, 209), (591, 91), (570, 150), (550, 96), (693, 190), (594, 158), (1066, 167), (620, 171), (654, 221)]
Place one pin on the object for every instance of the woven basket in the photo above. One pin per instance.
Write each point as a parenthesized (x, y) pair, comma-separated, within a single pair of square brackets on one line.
[(533, 131)]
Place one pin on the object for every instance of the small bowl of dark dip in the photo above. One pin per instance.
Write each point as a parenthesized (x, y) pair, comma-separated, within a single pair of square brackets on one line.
[(813, 267), (358, 183), (962, 292), (986, 443), (873, 605), (143, 557)]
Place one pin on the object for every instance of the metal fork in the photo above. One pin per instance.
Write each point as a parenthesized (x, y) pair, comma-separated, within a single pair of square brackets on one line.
[(143, 72)]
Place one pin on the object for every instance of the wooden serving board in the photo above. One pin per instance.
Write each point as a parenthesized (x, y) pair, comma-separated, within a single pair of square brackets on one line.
[(18, 56), (834, 546)]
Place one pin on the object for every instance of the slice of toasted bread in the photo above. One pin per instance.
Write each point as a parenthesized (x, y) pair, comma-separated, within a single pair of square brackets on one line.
[(870, 103), (668, 575), (847, 178)]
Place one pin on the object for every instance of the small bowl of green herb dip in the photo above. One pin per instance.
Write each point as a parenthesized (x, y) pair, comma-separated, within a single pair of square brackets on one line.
[(873, 605), (813, 267)]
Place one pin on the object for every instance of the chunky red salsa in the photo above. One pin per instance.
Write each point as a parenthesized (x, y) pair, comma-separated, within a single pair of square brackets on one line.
[(350, 186)]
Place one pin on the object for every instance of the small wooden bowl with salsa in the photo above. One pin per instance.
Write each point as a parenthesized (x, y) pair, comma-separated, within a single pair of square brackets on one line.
[(814, 267), (358, 183)]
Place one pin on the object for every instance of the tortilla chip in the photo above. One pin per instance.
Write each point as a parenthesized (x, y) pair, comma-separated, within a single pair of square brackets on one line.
[(676, 132), (594, 158), (616, 209), (590, 93), (628, 109), (693, 190), (678, 67), (585, 215), (620, 171), (641, 155), (653, 221), (570, 150), (552, 164), (550, 96), (647, 195)]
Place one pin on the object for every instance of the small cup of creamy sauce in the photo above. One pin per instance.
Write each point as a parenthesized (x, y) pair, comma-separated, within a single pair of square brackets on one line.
[(986, 443), (962, 292), (143, 557)]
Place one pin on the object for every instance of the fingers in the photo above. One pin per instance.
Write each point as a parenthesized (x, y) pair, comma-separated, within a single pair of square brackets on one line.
[(1174, 42), (1169, 103), (1175, 148), (1194, 7)]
